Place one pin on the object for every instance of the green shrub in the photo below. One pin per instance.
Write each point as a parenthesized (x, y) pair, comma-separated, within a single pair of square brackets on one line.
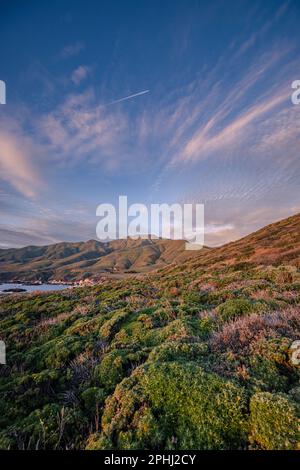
[(52, 427), (55, 353), (110, 327), (196, 410), (274, 421), (110, 371), (93, 397), (294, 394), (5, 442), (173, 406), (126, 423), (178, 350), (234, 308)]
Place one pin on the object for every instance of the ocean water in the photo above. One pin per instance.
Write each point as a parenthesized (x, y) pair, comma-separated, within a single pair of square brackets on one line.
[(33, 288)]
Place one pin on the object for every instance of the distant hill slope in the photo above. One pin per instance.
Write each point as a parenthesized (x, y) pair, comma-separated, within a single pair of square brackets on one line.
[(71, 261), (278, 243)]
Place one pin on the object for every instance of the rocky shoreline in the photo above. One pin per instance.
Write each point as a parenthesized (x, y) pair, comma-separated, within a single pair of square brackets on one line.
[(13, 290)]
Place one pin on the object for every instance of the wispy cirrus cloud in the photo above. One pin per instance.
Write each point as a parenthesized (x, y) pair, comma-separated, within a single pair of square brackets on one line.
[(208, 118), (236, 130), (227, 117), (35, 223), (260, 33), (209, 138), (79, 128), (17, 166)]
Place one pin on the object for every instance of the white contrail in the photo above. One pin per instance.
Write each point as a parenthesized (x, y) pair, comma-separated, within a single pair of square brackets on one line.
[(129, 97)]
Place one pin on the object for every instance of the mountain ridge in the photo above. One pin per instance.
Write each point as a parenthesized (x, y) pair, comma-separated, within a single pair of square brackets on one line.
[(67, 261), (78, 260)]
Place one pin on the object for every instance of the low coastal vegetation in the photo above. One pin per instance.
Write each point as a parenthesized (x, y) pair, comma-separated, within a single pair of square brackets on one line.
[(195, 356)]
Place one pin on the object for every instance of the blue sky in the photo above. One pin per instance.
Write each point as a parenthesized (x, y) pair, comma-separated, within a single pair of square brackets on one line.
[(217, 126)]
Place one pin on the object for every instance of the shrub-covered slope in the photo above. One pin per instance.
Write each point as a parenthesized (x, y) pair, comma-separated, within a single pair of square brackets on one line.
[(197, 356)]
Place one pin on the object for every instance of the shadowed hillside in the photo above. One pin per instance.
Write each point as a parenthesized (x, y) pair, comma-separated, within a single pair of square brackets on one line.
[(70, 261)]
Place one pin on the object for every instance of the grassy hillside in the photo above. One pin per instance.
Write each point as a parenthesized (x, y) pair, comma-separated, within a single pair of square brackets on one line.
[(195, 356), (71, 261)]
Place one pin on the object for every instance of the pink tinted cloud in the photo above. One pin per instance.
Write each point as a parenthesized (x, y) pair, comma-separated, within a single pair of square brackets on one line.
[(16, 164)]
